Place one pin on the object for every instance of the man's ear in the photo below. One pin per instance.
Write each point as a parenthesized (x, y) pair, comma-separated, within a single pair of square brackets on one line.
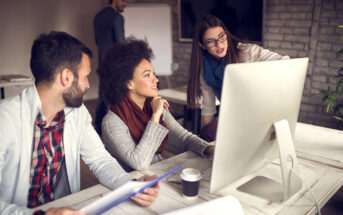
[(66, 77)]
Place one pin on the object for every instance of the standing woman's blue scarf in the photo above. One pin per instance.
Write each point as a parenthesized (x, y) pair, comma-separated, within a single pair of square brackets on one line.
[(213, 72)]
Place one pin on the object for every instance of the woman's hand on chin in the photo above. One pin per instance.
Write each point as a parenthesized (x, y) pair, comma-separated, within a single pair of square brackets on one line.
[(157, 104)]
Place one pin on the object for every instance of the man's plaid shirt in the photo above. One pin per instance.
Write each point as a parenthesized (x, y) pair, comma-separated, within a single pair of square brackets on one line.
[(47, 157)]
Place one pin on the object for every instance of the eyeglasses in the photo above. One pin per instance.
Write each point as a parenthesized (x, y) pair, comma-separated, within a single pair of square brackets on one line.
[(213, 42)]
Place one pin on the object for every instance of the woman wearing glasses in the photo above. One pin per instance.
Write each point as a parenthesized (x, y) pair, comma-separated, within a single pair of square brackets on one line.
[(138, 126), (213, 48)]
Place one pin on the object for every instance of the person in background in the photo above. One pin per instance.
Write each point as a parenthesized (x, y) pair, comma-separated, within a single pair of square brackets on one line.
[(46, 129), (108, 29), (213, 48), (136, 128)]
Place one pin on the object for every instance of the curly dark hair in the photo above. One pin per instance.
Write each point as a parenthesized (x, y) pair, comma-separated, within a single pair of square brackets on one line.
[(117, 68)]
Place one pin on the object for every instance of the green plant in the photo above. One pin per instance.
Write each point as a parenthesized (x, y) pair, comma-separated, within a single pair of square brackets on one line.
[(333, 99)]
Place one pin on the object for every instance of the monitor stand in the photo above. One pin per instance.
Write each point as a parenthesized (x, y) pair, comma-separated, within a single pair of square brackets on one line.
[(291, 183)]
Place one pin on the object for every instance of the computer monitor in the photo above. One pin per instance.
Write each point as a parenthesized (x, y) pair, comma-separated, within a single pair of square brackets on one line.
[(257, 119)]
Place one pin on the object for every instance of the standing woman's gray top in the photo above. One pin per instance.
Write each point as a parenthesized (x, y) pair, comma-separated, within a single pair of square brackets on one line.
[(139, 156)]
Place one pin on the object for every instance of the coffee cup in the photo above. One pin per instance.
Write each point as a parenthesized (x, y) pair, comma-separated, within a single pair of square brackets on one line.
[(190, 180)]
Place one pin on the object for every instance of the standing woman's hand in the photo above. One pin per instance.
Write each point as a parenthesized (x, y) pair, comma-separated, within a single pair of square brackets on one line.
[(157, 104)]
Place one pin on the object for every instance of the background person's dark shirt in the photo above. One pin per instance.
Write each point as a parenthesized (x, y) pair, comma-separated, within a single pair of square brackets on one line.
[(108, 29)]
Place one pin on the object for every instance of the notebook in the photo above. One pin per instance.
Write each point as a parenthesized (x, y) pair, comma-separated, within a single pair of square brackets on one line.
[(122, 194)]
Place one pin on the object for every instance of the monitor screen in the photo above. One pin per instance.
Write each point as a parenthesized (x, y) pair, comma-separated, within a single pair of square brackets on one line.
[(255, 96), (243, 18)]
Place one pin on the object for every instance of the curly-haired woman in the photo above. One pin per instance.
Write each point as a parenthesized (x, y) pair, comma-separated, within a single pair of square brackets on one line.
[(213, 48), (136, 128)]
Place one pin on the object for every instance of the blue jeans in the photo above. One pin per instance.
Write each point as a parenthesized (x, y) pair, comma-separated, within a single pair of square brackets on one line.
[(101, 111)]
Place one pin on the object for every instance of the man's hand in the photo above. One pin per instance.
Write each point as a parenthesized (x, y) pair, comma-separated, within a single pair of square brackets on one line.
[(63, 211), (149, 195)]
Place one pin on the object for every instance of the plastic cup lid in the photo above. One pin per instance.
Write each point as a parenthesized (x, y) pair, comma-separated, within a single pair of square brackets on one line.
[(190, 174)]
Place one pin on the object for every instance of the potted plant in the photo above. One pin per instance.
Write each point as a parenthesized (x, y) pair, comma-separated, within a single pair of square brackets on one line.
[(333, 98)]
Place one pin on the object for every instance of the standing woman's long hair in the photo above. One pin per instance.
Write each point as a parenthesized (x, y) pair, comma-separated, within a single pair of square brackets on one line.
[(232, 55)]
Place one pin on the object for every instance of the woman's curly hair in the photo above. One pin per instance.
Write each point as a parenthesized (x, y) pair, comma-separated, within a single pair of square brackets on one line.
[(117, 68)]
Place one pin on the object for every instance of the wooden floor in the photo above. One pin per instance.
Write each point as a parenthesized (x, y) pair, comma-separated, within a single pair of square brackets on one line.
[(333, 207)]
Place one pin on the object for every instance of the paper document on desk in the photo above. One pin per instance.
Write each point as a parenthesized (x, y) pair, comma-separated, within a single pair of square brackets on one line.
[(221, 206), (122, 194)]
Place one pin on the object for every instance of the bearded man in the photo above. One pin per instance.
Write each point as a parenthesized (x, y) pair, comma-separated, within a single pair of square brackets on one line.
[(45, 129)]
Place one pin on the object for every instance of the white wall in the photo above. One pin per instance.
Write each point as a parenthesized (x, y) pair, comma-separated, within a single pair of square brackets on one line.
[(21, 21), (152, 22)]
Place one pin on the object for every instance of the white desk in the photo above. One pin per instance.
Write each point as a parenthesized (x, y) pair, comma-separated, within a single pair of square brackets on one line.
[(323, 179), (324, 145), (4, 83), (179, 96), (191, 118)]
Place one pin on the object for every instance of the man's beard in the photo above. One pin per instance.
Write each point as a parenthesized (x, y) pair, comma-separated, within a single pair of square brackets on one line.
[(74, 96)]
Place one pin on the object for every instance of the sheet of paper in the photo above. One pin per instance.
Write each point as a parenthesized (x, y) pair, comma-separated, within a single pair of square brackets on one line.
[(122, 194), (221, 206)]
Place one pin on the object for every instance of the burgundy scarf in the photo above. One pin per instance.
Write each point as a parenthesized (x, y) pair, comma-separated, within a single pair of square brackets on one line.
[(136, 119)]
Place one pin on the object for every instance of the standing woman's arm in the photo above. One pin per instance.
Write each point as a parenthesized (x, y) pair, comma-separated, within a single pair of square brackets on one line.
[(253, 52)]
